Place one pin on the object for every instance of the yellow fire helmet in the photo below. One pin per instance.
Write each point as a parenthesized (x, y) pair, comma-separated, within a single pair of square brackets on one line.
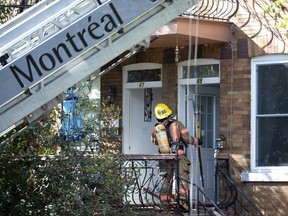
[(162, 111)]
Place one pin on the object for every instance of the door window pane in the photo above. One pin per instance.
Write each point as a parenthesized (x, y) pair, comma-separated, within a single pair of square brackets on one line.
[(206, 119)]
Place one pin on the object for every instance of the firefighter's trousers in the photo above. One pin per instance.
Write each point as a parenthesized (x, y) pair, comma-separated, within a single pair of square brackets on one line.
[(168, 169)]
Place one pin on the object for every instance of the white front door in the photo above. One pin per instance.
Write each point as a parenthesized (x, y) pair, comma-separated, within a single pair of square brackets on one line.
[(137, 134), (141, 93)]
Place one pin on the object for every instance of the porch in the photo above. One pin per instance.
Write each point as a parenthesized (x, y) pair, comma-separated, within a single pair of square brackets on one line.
[(145, 180)]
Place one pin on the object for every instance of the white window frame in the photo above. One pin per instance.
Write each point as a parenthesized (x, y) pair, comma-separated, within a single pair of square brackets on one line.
[(141, 66), (193, 81), (269, 173), (182, 82)]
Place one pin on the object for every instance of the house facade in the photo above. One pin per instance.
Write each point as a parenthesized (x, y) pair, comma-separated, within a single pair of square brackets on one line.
[(227, 69), (222, 64)]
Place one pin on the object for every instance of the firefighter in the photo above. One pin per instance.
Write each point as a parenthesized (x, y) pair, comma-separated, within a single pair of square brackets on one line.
[(172, 137)]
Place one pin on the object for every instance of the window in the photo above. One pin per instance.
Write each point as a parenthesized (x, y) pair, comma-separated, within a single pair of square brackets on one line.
[(147, 75), (269, 116), (143, 75), (201, 71), (205, 71), (272, 115)]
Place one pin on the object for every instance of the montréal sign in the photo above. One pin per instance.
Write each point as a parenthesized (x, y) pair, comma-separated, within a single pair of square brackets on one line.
[(72, 41)]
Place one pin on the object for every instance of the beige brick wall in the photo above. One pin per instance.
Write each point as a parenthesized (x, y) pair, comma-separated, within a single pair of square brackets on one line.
[(235, 109), (235, 95), (235, 105)]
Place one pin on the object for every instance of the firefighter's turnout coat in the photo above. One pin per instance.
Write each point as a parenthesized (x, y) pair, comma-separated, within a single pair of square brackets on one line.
[(178, 138)]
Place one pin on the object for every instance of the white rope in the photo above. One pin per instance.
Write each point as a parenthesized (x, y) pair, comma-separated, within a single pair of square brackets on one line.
[(195, 168), (231, 103), (191, 176)]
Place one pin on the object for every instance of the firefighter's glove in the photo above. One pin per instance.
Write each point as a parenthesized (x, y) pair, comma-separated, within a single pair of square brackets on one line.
[(195, 141), (174, 147)]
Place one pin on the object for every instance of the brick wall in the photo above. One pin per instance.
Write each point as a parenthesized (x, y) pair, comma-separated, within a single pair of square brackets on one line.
[(235, 108), (235, 105), (113, 79), (169, 79), (166, 57)]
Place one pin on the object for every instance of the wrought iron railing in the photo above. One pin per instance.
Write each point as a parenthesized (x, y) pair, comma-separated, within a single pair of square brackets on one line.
[(208, 9), (231, 198), (145, 181), (214, 9), (146, 175)]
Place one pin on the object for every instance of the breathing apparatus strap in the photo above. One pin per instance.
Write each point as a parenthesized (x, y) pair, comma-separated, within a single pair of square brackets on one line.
[(172, 143), (167, 126)]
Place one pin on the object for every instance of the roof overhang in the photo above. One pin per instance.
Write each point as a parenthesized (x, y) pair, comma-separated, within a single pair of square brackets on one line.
[(184, 31)]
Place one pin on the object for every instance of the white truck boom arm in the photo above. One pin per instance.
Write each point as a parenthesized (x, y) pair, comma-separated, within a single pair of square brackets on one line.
[(65, 42)]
